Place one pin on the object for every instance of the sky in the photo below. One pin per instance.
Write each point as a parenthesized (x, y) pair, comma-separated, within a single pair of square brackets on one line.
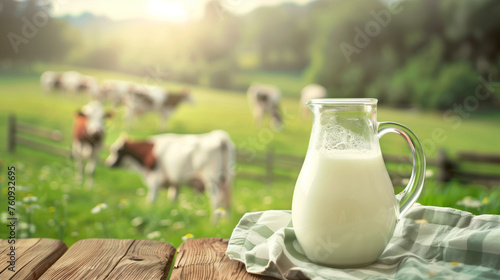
[(168, 10)]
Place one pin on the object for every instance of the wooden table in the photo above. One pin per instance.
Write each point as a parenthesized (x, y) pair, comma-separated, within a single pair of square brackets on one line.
[(49, 259)]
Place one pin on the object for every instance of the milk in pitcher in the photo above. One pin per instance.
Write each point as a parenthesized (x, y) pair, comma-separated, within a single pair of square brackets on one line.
[(345, 205)]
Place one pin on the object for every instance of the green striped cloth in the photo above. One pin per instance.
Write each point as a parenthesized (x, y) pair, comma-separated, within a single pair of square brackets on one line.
[(429, 242)]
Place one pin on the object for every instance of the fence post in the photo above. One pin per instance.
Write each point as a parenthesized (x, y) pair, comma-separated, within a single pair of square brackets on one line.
[(446, 167), (269, 165), (11, 134)]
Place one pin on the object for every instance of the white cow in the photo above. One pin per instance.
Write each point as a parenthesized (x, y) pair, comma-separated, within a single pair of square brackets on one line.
[(145, 99), (69, 81), (88, 136), (50, 81), (265, 99), (309, 92), (115, 91), (205, 161)]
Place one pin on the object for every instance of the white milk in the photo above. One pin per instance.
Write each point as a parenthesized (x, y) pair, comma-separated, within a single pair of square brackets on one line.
[(344, 208)]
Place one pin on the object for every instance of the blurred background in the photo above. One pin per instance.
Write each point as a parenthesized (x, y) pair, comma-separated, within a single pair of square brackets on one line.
[(433, 66)]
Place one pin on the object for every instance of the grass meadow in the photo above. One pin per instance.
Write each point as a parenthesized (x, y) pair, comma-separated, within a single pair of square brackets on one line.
[(51, 204)]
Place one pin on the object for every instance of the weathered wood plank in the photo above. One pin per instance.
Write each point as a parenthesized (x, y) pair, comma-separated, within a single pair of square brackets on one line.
[(205, 259), (33, 257), (89, 259), (145, 259), (113, 259)]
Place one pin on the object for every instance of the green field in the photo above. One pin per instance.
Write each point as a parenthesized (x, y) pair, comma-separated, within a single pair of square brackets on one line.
[(63, 208)]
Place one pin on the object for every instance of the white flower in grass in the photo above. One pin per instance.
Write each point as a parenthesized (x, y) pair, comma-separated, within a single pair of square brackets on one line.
[(74, 233), (154, 235), (51, 223), (137, 221), (99, 208), (30, 198), (30, 207), (22, 188), (187, 237), (470, 202), (220, 212)]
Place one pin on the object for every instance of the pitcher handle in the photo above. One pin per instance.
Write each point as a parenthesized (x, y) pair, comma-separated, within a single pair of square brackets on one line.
[(412, 191)]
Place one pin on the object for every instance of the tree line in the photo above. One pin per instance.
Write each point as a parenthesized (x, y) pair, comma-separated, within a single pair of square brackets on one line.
[(426, 54)]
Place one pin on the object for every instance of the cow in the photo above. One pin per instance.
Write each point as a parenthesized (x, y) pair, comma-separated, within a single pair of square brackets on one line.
[(74, 82), (50, 81), (265, 99), (115, 91), (204, 161), (145, 98), (309, 92), (69, 81), (88, 136)]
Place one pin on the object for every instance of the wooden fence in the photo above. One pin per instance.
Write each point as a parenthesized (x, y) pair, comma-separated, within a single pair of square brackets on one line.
[(445, 167), (283, 166), (17, 134)]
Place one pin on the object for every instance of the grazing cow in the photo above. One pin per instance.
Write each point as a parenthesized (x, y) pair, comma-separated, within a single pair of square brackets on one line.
[(74, 82), (115, 91), (265, 99), (50, 81), (204, 161), (88, 136), (145, 99), (309, 92), (70, 81)]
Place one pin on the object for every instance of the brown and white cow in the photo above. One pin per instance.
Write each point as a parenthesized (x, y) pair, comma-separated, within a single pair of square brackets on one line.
[(204, 161), (88, 136), (309, 92), (265, 99), (145, 99)]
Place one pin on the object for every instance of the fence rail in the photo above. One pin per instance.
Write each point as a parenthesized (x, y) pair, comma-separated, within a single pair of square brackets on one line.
[(14, 139)]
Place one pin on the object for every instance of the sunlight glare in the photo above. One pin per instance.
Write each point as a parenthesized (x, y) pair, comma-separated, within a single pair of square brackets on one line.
[(167, 10)]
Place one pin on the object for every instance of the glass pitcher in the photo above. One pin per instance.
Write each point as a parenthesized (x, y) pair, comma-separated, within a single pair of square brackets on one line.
[(344, 210)]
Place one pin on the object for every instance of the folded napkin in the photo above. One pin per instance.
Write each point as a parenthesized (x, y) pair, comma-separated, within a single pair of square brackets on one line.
[(427, 242)]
